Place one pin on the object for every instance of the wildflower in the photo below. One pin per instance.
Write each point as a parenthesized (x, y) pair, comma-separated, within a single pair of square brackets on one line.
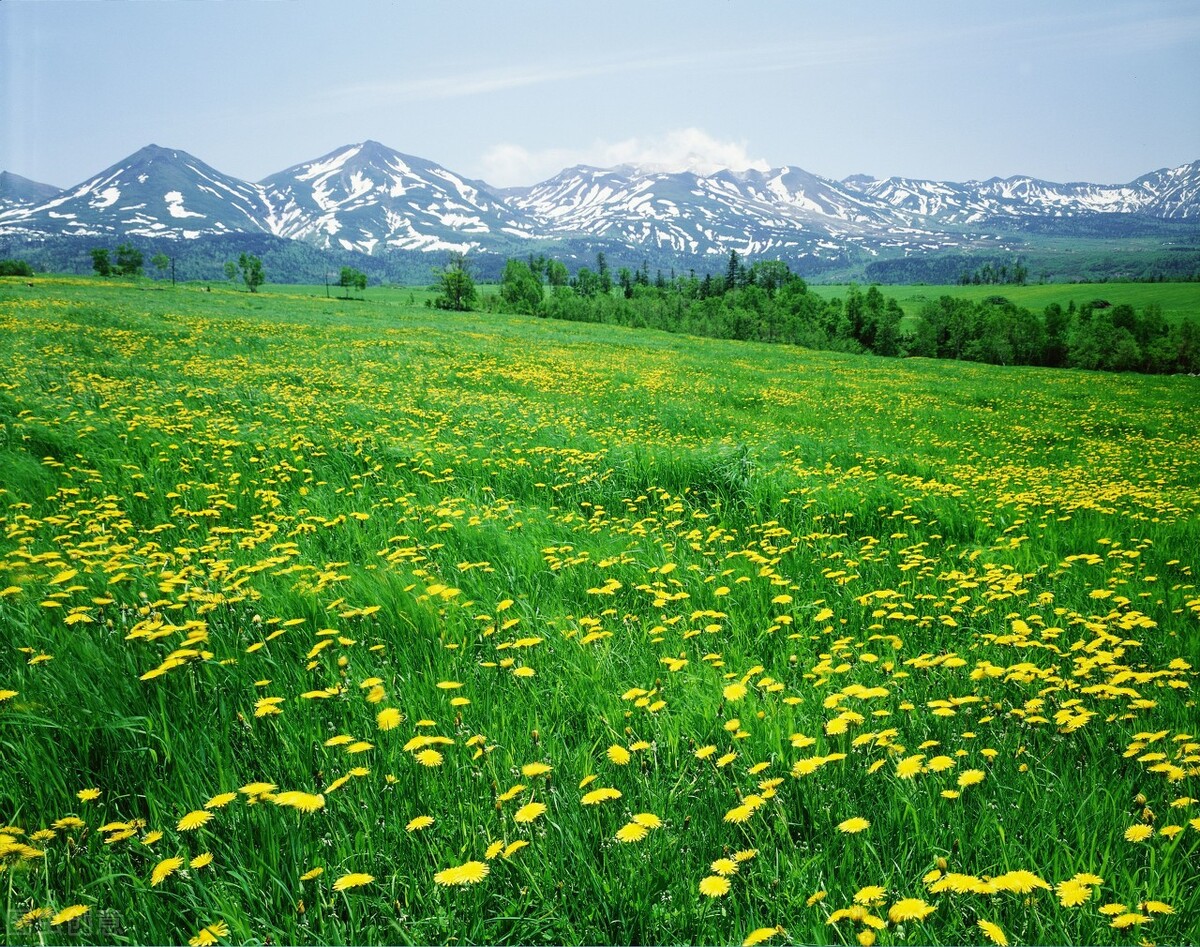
[(88, 795), (1019, 882), (739, 814), (993, 932), (597, 796), (164, 869), (418, 823), (529, 812), (618, 755), (535, 769), (1138, 833), (970, 777), (209, 935), (389, 718), (648, 819), (219, 800), (201, 860), (312, 873), (724, 866), (430, 758), (353, 880), (909, 909), (734, 692), (69, 914), (1122, 921), (871, 894), (632, 832), (193, 820), (514, 847), (908, 767), (304, 801), (714, 886), (854, 825), (467, 874), (760, 934)]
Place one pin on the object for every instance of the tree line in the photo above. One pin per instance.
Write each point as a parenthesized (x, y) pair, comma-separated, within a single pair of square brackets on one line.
[(764, 301)]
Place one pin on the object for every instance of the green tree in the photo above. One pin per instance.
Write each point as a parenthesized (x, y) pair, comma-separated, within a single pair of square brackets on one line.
[(351, 278), (455, 285), (101, 262), (231, 270), (520, 289), (129, 260), (252, 271)]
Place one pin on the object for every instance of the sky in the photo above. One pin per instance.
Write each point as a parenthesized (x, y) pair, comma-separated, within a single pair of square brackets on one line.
[(512, 92)]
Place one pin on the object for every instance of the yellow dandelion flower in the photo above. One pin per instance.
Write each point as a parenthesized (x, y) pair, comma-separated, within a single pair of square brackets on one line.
[(535, 769), (745, 855), (1072, 893), (356, 879), (466, 874), (200, 861), (69, 914), (312, 873), (597, 796), (909, 909), (164, 869), (866, 938), (257, 789), (705, 752), (389, 718), (1156, 907), (734, 692), (1122, 921), (1113, 908), (618, 755), (970, 777), (632, 832), (871, 894), (648, 819), (854, 825), (88, 795), (739, 814), (514, 847), (1138, 833), (994, 933), (724, 866), (193, 820), (714, 886), (29, 918), (760, 934), (493, 850), (529, 812), (418, 823), (1019, 882), (430, 758), (221, 799), (910, 766), (304, 801), (209, 935), (815, 898)]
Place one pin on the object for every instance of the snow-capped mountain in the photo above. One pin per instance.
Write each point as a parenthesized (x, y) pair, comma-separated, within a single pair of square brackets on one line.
[(16, 191), (1167, 193), (370, 199), (155, 192)]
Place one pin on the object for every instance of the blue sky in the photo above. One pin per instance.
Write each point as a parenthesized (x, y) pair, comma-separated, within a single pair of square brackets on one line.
[(512, 92)]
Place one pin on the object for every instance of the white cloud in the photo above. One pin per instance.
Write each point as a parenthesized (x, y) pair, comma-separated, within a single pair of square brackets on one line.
[(683, 149)]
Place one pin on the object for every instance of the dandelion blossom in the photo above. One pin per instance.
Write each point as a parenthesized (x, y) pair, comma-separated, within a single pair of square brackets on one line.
[(69, 914), (164, 869), (514, 847), (88, 795), (618, 755), (714, 886), (724, 866), (739, 814), (648, 819), (909, 909), (871, 894), (201, 860), (970, 777), (207, 936), (734, 692), (356, 879), (420, 822), (221, 799), (193, 820), (632, 832), (388, 719), (760, 934), (993, 932), (430, 758), (468, 874), (312, 873), (597, 796), (529, 812), (1138, 833), (851, 826), (908, 767), (535, 769)]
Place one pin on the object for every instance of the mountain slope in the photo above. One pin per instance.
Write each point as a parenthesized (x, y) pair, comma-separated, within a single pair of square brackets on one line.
[(16, 191), (368, 197), (155, 192)]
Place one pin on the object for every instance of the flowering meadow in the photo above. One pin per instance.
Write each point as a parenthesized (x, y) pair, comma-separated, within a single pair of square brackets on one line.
[(358, 622)]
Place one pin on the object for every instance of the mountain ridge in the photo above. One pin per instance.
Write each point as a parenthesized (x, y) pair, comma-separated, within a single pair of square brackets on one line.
[(369, 198)]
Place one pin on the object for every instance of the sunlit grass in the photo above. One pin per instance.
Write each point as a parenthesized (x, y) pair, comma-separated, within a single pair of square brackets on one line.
[(332, 623)]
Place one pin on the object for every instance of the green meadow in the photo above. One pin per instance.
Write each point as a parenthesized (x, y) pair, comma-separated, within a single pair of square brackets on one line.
[(1178, 301), (330, 621)]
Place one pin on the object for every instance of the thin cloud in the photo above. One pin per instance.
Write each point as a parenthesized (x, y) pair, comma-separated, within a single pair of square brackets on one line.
[(684, 149)]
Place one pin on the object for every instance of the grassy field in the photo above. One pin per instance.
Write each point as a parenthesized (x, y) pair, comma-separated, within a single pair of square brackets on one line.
[(1178, 300), (364, 623)]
